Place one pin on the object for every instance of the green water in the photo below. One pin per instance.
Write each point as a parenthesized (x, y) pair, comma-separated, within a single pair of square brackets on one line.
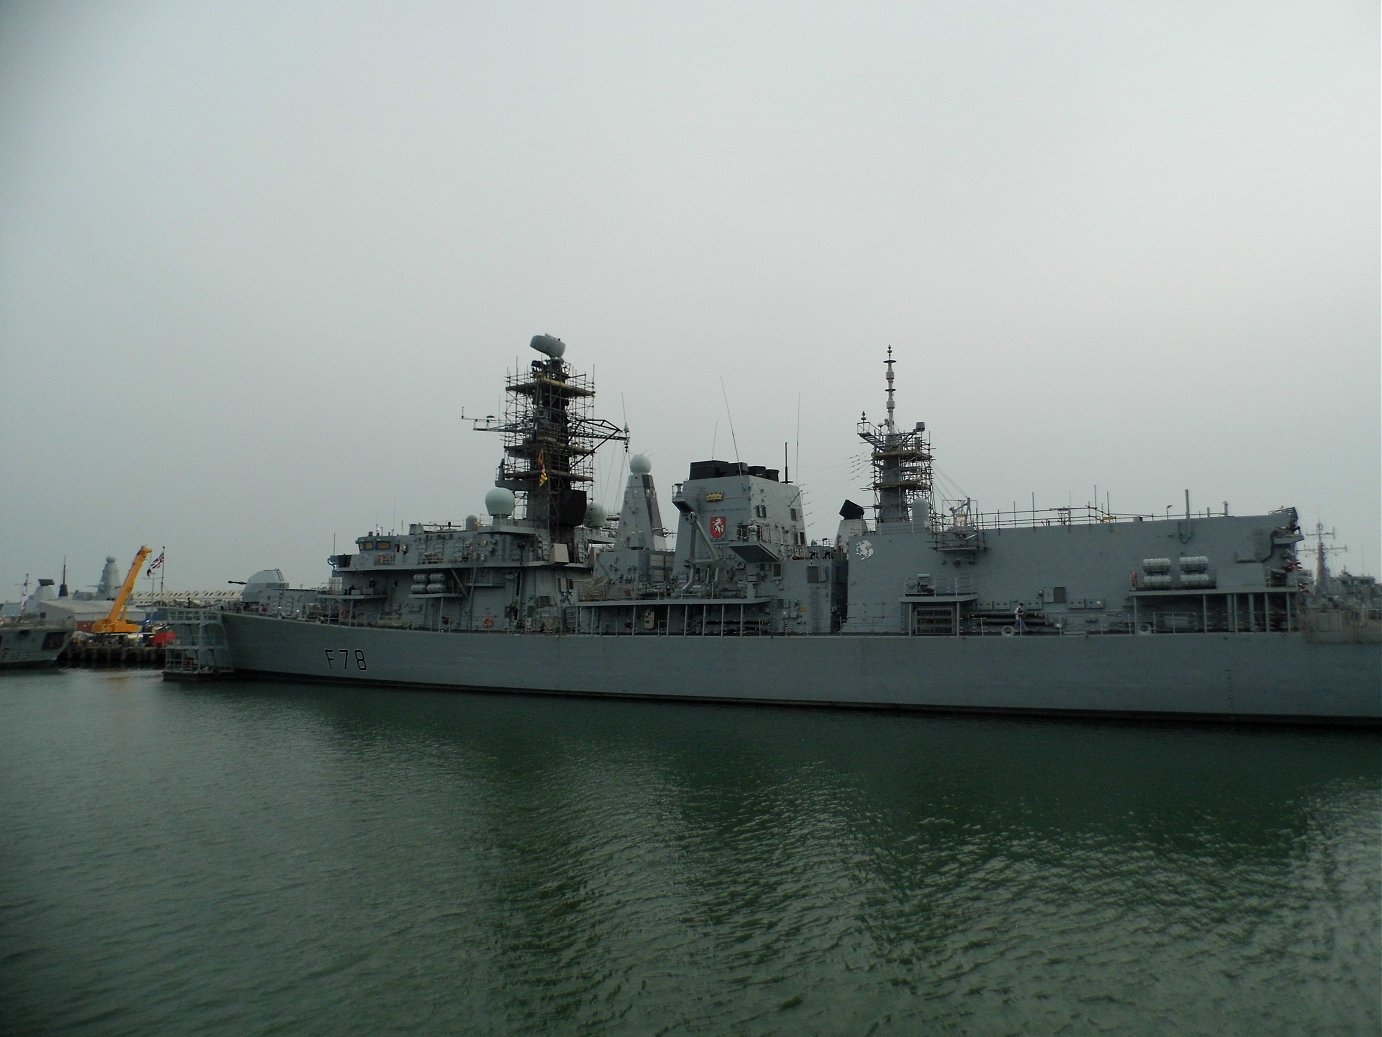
[(275, 859)]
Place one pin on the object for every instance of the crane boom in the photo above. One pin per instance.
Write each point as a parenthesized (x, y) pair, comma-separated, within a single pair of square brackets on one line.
[(115, 622)]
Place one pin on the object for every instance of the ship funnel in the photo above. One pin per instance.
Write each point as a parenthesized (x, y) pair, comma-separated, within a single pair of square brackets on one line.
[(548, 345)]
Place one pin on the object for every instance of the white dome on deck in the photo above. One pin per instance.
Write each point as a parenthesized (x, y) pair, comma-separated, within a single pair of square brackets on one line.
[(499, 502)]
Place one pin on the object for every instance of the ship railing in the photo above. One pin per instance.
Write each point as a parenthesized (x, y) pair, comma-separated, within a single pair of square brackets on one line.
[(34, 619), (927, 585), (968, 517), (675, 617)]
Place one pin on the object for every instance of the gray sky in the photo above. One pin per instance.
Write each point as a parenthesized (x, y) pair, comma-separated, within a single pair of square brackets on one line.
[(256, 257)]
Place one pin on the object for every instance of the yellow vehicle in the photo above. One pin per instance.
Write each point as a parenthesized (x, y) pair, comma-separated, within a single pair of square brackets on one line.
[(114, 621)]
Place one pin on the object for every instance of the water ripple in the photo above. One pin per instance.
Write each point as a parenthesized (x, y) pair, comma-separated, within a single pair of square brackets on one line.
[(259, 859)]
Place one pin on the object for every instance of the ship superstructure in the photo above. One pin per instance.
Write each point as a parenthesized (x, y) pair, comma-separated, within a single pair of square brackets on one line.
[(953, 570), (519, 568)]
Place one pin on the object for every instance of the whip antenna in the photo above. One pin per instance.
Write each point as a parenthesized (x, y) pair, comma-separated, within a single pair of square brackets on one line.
[(730, 415)]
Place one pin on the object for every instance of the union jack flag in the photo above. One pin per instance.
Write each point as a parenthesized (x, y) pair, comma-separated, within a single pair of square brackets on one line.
[(156, 563)]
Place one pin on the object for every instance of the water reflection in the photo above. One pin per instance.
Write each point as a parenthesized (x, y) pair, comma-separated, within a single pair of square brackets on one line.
[(610, 864)]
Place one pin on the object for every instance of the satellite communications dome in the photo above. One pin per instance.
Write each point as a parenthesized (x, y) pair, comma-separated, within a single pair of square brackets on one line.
[(499, 502), (640, 465)]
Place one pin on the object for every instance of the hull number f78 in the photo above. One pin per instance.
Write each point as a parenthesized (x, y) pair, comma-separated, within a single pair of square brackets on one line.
[(345, 659)]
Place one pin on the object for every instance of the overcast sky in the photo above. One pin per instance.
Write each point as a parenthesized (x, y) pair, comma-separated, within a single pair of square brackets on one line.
[(257, 259)]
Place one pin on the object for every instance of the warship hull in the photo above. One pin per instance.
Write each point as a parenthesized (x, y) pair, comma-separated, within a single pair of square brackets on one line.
[(28, 646), (1239, 677)]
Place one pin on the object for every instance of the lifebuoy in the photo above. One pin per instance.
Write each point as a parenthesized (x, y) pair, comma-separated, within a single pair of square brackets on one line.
[(489, 622)]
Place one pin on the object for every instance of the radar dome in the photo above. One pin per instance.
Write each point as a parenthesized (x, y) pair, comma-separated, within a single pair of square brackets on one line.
[(595, 516), (548, 345), (266, 579), (499, 502), (640, 465)]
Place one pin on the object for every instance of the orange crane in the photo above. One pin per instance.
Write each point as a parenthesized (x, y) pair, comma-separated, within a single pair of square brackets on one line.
[(115, 621)]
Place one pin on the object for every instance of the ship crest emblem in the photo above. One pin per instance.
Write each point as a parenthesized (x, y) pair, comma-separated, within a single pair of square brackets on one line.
[(717, 527), (864, 549)]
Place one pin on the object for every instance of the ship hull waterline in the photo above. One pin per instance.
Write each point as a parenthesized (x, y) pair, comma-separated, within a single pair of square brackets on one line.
[(1268, 677)]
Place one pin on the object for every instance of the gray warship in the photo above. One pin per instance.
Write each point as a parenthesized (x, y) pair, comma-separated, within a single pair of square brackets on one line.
[(32, 635), (31, 641), (926, 604)]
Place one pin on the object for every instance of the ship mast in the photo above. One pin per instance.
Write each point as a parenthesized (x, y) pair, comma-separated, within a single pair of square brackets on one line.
[(550, 439), (1322, 575), (901, 461)]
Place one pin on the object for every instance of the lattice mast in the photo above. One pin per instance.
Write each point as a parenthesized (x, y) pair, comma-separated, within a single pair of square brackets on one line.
[(1323, 577), (901, 462), (550, 439)]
